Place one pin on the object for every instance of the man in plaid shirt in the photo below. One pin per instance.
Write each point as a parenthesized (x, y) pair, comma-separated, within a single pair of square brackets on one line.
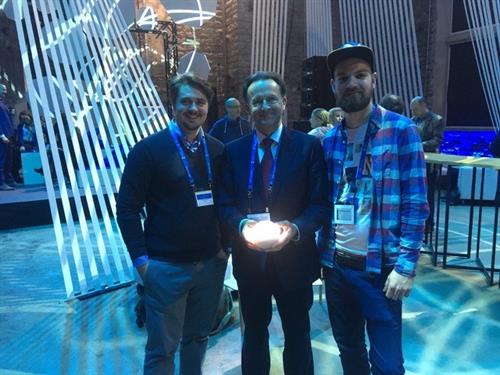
[(371, 246)]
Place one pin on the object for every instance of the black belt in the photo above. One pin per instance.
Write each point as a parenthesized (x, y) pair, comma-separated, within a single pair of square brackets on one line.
[(352, 261)]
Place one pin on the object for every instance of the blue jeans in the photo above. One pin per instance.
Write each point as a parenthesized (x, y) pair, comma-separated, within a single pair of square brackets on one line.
[(181, 302), (355, 301)]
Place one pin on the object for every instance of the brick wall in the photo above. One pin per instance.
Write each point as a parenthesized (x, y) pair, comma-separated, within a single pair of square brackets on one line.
[(226, 40)]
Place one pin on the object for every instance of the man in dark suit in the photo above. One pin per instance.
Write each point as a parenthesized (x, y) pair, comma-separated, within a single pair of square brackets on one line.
[(274, 178), (430, 127)]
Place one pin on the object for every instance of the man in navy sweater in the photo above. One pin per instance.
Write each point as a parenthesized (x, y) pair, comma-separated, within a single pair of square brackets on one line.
[(175, 175)]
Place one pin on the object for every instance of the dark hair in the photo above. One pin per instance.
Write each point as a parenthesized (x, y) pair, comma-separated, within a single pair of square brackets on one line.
[(393, 103), (188, 79), (262, 76), (419, 100)]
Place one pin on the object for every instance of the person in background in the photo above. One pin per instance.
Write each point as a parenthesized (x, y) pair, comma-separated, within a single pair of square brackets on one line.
[(232, 126), (430, 127), (6, 133), (178, 253), (319, 121), (26, 136), (370, 248), (335, 116), (393, 103)]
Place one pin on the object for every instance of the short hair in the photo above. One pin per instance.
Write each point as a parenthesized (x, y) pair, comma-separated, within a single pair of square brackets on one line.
[(393, 103), (418, 100), (262, 76), (321, 114), (188, 79), (229, 100)]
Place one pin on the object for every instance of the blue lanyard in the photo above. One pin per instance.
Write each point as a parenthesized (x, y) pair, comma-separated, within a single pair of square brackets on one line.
[(362, 157), (252, 167), (176, 136), (361, 164)]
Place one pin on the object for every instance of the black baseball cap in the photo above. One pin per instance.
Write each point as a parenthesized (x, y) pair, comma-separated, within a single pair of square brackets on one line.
[(349, 50)]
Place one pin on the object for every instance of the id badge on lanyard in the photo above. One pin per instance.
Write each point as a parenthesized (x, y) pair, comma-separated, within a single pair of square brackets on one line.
[(345, 213), (204, 198), (263, 216)]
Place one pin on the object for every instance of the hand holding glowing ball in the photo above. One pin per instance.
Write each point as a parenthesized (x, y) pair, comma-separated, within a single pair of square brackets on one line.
[(262, 234)]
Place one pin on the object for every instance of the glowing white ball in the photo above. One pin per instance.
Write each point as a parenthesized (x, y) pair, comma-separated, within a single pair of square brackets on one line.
[(263, 234)]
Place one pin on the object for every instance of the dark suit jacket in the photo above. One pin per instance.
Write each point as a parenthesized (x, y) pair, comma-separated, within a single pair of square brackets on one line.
[(431, 131), (299, 195)]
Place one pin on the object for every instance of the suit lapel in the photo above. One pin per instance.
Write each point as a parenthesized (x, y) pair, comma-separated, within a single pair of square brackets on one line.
[(285, 160)]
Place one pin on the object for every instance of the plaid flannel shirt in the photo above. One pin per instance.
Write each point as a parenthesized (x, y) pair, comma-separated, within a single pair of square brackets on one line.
[(400, 205)]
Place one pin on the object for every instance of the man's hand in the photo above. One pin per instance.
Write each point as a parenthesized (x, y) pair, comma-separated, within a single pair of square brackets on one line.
[(5, 139), (143, 269), (397, 286), (288, 233), (22, 149), (245, 233)]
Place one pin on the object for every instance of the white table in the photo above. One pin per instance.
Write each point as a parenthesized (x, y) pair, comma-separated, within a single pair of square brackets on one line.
[(465, 183)]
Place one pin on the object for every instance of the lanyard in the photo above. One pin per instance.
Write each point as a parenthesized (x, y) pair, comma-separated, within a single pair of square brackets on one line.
[(252, 168), (239, 122), (361, 164), (175, 131)]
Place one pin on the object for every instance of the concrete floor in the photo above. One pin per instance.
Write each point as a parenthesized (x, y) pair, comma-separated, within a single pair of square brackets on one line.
[(451, 320)]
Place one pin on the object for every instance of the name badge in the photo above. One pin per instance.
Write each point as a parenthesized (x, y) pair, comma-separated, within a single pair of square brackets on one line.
[(343, 214), (204, 198), (264, 216)]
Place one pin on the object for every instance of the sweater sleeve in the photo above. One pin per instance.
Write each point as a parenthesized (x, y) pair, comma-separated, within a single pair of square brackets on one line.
[(134, 186)]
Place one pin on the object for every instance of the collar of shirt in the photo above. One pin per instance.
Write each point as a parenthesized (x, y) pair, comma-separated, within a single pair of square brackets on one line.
[(274, 136), (192, 146), (374, 121)]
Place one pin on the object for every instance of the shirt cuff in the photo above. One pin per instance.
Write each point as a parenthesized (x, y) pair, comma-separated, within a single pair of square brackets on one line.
[(242, 224), (137, 262), (297, 236)]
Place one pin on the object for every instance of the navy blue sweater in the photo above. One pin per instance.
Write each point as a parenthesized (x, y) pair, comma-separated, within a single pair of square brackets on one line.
[(175, 229)]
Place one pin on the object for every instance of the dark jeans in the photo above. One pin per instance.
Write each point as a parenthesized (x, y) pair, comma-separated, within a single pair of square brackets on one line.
[(293, 308), (3, 157), (181, 302), (355, 300), (431, 191)]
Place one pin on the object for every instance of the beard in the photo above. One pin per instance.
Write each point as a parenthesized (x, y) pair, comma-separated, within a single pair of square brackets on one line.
[(355, 102)]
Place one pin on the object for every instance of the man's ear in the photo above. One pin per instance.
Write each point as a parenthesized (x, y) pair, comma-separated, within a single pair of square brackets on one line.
[(332, 85), (283, 106)]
